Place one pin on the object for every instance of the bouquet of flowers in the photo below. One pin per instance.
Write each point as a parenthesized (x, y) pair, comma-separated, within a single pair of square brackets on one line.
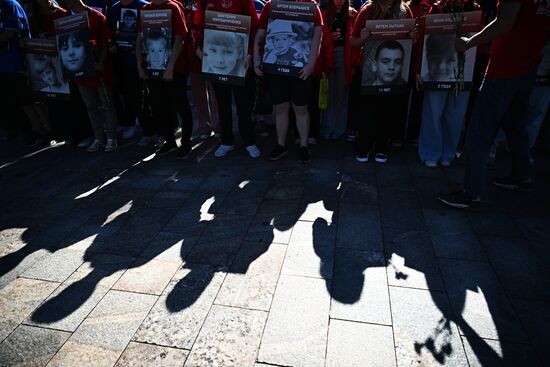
[(455, 9)]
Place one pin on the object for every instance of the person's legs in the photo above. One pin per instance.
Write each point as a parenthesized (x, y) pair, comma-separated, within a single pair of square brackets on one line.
[(93, 102), (430, 147), (225, 112), (145, 111), (313, 107), (105, 94), (164, 117), (452, 123), (281, 122), (302, 123), (200, 98), (538, 107), (183, 108), (243, 101), (366, 126)]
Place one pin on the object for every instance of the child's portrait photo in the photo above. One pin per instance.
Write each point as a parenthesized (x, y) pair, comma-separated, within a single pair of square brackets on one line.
[(76, 53), (224, 53), (156, 45), (45, 74), (128, 20), (386, 63), (288, 42)]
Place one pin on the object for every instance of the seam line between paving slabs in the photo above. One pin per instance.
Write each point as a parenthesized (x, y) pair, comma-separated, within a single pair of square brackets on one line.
[(382, 239), (242, 240)]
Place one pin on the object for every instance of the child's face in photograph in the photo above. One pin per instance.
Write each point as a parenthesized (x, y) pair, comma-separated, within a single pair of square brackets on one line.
[(282, 42), (221, 59), (129, 20), (48, 75), (442, 65), (73, 54), (388, 65), (156, 53)]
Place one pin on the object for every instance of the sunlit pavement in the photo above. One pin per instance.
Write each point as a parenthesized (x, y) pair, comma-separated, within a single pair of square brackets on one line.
[(130, 259)]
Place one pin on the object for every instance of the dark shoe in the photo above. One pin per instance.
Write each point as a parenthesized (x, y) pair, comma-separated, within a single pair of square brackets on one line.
[(168, 147), (460, 199), (278, 153), (305, 157), (184, 151), (511, 184)]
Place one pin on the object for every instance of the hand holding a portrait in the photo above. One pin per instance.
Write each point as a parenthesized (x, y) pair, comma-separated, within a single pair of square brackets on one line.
[(142, 73), (168, 74), (306, 71), (461, 44), (419, 84), (336, 36), (199, 53), (98, 66), (365, 33), (248, 62)]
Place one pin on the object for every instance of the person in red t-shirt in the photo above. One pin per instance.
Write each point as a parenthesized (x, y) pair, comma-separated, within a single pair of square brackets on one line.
[(285, 90), (518, 34), (386, 113), (172, 85), (244, 96), (97, 91)]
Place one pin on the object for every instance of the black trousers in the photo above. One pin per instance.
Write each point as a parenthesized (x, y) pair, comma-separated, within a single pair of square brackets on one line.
[(244, 102), (129, 88), (168, 100), (355, 111), (383, 114)]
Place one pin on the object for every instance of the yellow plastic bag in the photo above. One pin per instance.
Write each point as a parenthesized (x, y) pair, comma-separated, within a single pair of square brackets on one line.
[(323, 92)]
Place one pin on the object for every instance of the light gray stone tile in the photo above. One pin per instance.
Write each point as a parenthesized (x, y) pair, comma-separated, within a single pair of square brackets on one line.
[(31, 346), (253, 277), (485, 352), (101, 269), (16, 263), (352, 344), (229, 337), (178, 315), (149, 277), (56, 267), (172, 247), (144, 355), (296, 330), (360, 287), (423, 331), (359, 227), (18, 299), (103, 336)]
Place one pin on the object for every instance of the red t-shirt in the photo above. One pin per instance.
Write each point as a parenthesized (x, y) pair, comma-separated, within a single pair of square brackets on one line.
[(179, 28), (520, 50), (99, 35), (241, 7), (264, 17)]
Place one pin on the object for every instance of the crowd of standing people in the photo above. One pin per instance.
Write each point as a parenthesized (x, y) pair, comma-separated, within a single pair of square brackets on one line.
[(122, 101)]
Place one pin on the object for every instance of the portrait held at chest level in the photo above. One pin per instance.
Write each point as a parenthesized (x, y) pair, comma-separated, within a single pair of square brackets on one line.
[(226, 38), (387, 56), (440, 61), (156, 33), (75, 48), (44, 68), (126, 28), (288, 39)]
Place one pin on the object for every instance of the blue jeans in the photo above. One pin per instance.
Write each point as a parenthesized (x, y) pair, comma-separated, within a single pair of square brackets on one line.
[(538, 105), (500, 103), (442, 121)]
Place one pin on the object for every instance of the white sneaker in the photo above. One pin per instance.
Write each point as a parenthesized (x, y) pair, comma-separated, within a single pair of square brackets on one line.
[(129, 133), (144, 141), (361, 159), (253, 151), (160, 141), (445, 163), (85, 143), (430, 164), (311, 141), (111, 145), (94, 147), (223, 150)]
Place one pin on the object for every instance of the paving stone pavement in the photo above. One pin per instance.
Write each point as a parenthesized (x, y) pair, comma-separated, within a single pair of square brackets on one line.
[(127, 259)]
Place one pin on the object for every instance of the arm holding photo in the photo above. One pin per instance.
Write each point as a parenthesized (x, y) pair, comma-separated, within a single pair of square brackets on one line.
[(357, 42), (503, 23), (313, 53), (260, 37), (176, 49), (139, 56)]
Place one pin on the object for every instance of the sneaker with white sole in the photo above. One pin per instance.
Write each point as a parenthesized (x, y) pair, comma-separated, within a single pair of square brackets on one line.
[(460, 200), (204, 136), (362, 159), (430, 164), (96, 146), (445, 164), (223, 150), (311, 141), (512, 184), (380, 158), (111, 145), (85, 143), (129, 132), (160, 141), (253, 151)]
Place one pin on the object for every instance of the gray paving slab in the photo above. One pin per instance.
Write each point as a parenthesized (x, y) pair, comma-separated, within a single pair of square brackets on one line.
[(411, 259), (485, 352), (297, 325), (360, 287), (101, 269), (271, 229), (147, 276), (178, 315), (18, 262), (170, 246), (535, 318), (399, 208), (229, 337), (358, 188), (56, 267), (31, 346), (18, 300), (497, 224), (144, 355), (103, 336), (352, 344), (359, 227), (424, 331), (253, 277), (478, 299)]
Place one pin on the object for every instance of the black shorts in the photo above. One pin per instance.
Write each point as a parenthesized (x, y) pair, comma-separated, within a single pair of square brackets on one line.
[(289, 88), (15, 89)]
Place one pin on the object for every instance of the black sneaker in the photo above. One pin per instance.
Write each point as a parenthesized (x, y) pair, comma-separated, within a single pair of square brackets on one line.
[(380, 158), (511, 184), (184, 151), (305, 157), (168, 147), (278, 153), (460, 199)]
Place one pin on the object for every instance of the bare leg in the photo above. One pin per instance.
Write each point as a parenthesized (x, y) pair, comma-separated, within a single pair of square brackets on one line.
[(281, 120), (302, 123)]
